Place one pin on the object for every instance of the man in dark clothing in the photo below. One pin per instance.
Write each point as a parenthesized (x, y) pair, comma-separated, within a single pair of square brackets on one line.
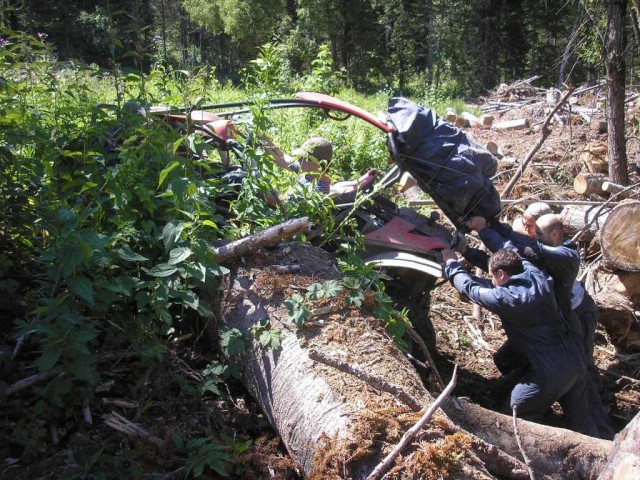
[(561, 260), (522, 296)]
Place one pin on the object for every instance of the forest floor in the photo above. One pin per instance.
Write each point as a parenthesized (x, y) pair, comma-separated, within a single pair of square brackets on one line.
[(161, 398)]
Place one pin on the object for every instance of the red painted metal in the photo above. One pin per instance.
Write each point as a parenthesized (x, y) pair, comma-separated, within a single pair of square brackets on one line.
[(398, 234), (343, 106)]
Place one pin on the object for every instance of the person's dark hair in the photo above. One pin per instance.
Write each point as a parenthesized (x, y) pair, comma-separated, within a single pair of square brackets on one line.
[(506, 260)]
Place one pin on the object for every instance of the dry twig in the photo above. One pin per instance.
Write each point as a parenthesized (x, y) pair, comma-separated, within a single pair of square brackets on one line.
[(386, 463), (527, 460)]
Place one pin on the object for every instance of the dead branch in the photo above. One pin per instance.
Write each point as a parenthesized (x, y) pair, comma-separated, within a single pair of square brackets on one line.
[(423, 347), (544, 133), (526, 459), (120, 423), (270, 236), (375, 382), (384, 466)]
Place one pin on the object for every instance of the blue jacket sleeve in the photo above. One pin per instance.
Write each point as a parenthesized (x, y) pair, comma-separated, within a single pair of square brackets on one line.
[(478, 258), (479, 290)]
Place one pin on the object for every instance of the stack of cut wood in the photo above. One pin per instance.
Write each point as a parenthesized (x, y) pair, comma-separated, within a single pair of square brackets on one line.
[(615, 283)]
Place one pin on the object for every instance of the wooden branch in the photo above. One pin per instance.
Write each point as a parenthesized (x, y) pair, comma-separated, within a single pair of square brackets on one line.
[(544, 133), (527, 460), (120, 423), (32, 380), (374, 381), (513, 124), (385, 465), (423, 347), (41, 377), (252, 243)]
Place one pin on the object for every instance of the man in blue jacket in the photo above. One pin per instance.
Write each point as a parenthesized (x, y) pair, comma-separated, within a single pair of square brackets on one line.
[(522, 296)]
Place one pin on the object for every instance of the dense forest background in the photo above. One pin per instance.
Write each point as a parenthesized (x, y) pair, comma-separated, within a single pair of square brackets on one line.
[(461, 48)]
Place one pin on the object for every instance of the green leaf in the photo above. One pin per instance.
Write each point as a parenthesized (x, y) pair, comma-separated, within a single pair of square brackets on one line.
[(161, 270), (196, 270), (211, 224), (271, 338), (315, 291), (301, 315), (166, 171), (46, 361), (171, 233), (191, 299), (82, 287), (232, 342), (129, 255), (70, 258), (331, 288), (355, 298), (178, 255), (176, 144), (84, 370)]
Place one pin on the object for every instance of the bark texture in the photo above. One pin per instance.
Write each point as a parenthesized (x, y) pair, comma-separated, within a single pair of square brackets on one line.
[(555, 452), (624, 464)]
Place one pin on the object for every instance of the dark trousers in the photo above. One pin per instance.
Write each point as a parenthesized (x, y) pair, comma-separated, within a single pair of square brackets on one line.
[(550, 374)]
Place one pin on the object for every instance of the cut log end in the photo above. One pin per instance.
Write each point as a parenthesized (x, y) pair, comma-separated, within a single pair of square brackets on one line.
[(620, 237)]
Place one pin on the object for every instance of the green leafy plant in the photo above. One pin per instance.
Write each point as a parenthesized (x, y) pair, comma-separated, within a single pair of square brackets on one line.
[(267, 336), (204, 452)]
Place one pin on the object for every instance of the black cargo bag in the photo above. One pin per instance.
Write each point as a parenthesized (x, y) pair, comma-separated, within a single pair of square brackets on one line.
[(454, 170)]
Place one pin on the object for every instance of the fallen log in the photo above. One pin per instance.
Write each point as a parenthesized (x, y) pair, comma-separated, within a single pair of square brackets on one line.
[(589, 183), (513, 124), (585, 220), (339, 424), (619, 238), (624, 464), (329, 420), (248, 245), (619, 190), (555, 452)]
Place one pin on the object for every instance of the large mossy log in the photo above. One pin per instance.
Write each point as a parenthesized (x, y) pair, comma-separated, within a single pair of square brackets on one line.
[(334, 423)]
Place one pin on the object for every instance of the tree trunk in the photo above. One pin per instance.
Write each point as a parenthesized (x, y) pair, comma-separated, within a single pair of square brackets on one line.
[(589, 220), (620, 237), (325, 416), (553, 451), (339, 415), (625, 461), (615, 65)]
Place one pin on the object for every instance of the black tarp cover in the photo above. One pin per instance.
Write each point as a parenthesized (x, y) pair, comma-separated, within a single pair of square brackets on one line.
[(454, 170)]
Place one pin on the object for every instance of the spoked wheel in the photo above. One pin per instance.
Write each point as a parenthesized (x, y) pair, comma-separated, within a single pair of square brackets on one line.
[(411, 289)]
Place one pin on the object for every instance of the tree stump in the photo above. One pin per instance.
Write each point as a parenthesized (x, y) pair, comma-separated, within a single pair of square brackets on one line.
[(620, 237)]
